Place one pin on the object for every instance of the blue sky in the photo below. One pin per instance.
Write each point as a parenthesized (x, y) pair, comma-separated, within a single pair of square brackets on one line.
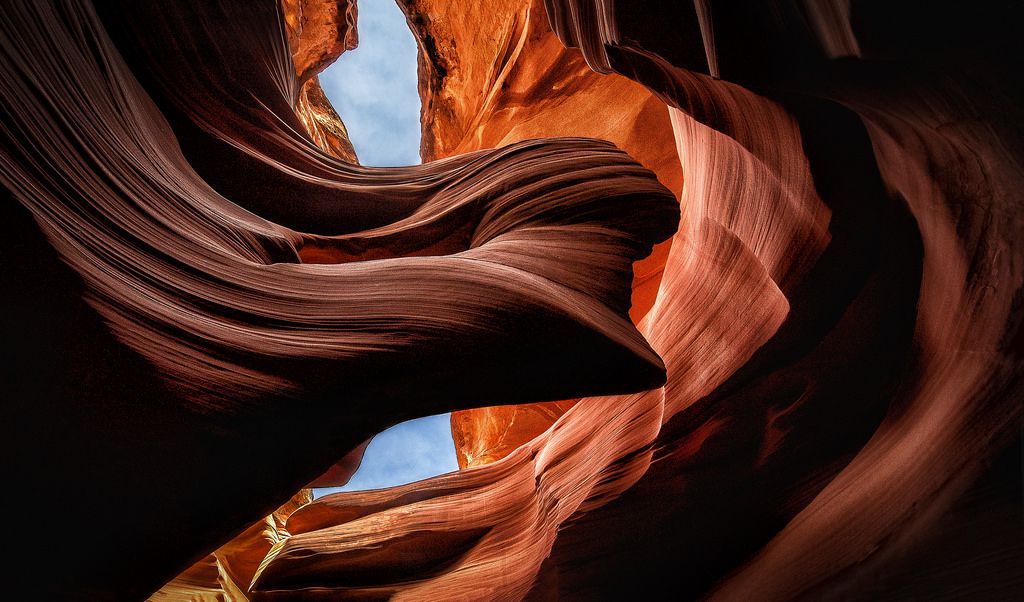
[(373, 88), (404, 453)]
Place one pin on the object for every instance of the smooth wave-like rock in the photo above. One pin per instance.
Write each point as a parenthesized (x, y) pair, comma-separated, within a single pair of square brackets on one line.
[(179, 369), (939, 116)]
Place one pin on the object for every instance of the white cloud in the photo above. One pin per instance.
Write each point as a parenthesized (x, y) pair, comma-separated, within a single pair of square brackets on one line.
[(373, 88)]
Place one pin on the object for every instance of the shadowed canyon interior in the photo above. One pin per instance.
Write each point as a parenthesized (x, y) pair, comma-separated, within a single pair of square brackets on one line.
[(723, 297)]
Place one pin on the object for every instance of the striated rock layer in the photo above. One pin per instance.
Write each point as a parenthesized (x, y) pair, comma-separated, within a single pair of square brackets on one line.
[(836, 314)]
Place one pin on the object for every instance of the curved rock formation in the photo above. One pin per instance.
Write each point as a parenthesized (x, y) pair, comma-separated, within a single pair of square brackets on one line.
[(224, 575), (319, 31), (837, 312), (782, 408), (187, 361)]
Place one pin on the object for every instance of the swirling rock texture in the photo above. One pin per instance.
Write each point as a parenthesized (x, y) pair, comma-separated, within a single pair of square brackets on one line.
[(174, 363), (837, 311)]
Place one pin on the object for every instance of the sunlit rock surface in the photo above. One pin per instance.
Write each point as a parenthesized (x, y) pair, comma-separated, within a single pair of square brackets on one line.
[(494, 74), (224, 575), (837, 311), (487, 434), (319, 31), (325, 127)]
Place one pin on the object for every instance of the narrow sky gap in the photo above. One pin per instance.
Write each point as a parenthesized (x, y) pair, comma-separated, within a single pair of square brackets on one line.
[(404, 453), (374, 90)]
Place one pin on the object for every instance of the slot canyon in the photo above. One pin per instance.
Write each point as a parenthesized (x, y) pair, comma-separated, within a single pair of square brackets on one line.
[(724, 299)]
